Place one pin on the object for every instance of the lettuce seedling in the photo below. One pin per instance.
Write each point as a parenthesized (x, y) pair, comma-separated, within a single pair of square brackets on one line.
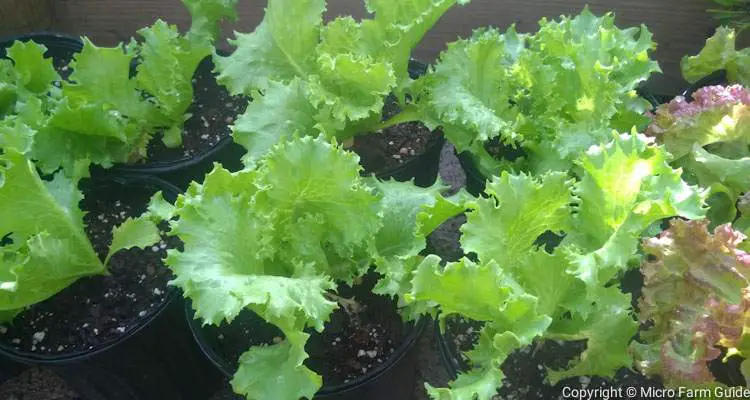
[(553, 93), (523, 293), (101, 113), (299, 222), (696, 299), (710, 138), (309, 77)]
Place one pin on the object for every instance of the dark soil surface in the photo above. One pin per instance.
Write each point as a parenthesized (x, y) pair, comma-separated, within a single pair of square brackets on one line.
[(356, 340), (37, 384), (115, 304), (213, 112), (387, 150)]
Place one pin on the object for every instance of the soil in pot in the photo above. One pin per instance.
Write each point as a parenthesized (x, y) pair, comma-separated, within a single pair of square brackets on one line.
[(212, 113), (525, 369), (390, 149), (96, 311), (356, 340)]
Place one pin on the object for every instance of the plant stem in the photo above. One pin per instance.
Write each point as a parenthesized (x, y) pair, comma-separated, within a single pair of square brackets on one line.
[(409, 114), (351, 306)]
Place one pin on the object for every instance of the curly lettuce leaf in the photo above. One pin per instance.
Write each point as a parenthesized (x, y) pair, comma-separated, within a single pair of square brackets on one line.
[(26, 80), (258, 130), (523, 292), (627, 185), (277, 50), (33, 72), (554, 93), (518, 211), (482, 292), (276, 371), (410, 214), (695, 296), (396, 28), (720, 52), (343, 69), (49, 249), (205, 18), (101, 116), (134, 232), (708, 135), (167, 64)]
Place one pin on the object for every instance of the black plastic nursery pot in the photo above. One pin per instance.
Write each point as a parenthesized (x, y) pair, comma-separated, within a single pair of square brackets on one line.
[(391, 377), (60, 48), (127, 326)]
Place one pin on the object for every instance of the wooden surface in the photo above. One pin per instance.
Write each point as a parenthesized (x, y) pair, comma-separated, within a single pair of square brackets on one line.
[(21, 16), (679, 26)]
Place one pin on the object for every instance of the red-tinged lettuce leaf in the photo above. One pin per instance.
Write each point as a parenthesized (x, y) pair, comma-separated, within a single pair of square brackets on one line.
[(695, 297), (710, 139), (716, 114), (720, 52)]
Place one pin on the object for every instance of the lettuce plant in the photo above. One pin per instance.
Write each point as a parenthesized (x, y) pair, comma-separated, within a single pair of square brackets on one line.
[(710, 138), (101, 114), (696, 299), (719, 53), (523, 293), (44, 247), (311, 78), (302, 220), (553, 93)]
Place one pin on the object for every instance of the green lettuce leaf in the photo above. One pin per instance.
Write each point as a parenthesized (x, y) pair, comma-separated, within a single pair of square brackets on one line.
[(720, 52), (277, 51), (276, 371), (258, 130), (206, 16), (523, 292), (302, 218), (627, 185), (138, 232), (49, 249), (554, 93), (167, 64), (342, 70)]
